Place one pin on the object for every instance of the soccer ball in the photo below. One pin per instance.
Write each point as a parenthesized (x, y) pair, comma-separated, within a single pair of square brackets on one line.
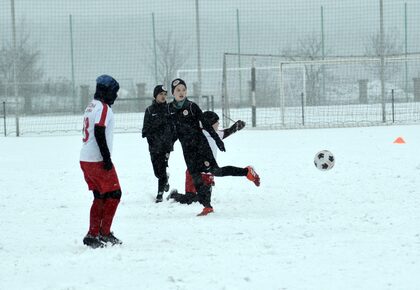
[(324, 160)]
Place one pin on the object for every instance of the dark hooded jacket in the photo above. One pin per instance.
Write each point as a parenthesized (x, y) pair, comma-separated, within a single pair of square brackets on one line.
[(158, 128)]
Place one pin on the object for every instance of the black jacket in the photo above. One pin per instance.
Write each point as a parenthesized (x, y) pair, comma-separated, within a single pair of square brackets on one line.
[(158, 128), (197, 152)]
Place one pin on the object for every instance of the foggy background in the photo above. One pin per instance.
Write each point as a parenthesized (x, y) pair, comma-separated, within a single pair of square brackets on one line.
[(62, 46)]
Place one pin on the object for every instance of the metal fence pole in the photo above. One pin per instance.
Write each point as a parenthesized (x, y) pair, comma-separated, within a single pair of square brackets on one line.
[(323, 53), (282, 101), (17, 126), (197, 22), (154, 48), (239, 57), (225, 109), (73, 89), (406, 50), (4, 117), (382, 56), (253, 85)]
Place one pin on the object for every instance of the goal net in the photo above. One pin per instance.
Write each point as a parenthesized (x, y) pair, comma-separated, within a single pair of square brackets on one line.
[(334, 92)]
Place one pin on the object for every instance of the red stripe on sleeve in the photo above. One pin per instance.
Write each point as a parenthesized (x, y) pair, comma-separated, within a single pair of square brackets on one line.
[(103, 115)]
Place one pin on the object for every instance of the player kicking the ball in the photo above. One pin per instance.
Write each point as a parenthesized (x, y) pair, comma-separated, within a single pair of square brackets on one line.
[(190, 195)]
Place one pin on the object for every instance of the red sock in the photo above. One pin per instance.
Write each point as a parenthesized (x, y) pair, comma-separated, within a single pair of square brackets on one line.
[(110, 207), (96, 212)]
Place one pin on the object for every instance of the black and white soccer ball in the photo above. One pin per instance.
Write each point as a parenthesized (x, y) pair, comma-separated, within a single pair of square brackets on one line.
[(324, 160)]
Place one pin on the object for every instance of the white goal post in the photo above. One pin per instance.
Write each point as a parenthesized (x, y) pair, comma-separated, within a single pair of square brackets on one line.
[(340, 61)]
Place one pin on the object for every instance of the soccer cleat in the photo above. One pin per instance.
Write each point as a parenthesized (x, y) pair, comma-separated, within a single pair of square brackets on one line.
[(206, 211), (110, 239), (172, 194), (253, 176), (93, 242), (159, 197)]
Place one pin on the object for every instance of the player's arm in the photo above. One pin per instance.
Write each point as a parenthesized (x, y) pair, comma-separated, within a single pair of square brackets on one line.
[(206, 126), (146, 124), (238, 125), (103, 146)]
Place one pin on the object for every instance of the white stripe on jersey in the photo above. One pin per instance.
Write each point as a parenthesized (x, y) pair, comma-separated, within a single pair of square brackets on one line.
[(211, 141), (96, 113)]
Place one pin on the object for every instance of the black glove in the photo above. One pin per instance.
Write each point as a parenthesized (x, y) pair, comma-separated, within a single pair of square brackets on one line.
[(108, 164), (220, 145), (239, 125)]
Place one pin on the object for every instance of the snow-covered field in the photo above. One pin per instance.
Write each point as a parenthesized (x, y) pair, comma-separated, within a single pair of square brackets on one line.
[(354, 227)]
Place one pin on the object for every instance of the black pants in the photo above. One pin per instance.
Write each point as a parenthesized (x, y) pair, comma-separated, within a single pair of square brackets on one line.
[(187, 198), (229, 171), (160, 162)]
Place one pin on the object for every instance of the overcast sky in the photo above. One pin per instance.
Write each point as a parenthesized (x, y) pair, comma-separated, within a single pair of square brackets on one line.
[(116, 36)]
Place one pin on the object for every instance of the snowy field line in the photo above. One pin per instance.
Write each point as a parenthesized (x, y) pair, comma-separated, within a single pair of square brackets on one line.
[(354, 227)]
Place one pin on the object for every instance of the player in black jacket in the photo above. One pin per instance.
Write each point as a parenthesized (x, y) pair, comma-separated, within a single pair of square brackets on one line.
[(190, 195), (159, 131), (198, 156)]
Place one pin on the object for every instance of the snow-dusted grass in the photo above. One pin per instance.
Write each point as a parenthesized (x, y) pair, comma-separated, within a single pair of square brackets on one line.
[(354, 227)]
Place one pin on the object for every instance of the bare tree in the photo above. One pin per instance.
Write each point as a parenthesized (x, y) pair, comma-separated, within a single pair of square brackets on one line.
[(309, 48), (27, 58), (171, 56), (19, 68), (391, 46)]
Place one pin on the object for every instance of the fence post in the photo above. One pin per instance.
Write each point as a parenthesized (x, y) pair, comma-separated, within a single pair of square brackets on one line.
[(73, 89), (17, 126), (254, 105), (239, 57), (225, 108), (4, 116)]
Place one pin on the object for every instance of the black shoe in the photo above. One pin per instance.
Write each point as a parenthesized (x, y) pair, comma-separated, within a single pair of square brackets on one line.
[(172, 194), (159, 197), (92, 241), (110, 239)]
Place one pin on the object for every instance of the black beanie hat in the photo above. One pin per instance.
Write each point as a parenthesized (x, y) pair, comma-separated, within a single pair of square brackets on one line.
[(210, 117), (177, 82), (158, 89)]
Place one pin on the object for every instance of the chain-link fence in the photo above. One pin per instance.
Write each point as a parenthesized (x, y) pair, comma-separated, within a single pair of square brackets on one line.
[(53, 50)]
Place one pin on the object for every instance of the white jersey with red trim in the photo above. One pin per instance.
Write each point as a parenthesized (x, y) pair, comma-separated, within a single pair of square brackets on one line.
[(96, 113), (212, 142)]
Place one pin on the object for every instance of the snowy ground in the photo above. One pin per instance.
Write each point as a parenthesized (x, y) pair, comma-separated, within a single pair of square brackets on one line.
[(354, 227)]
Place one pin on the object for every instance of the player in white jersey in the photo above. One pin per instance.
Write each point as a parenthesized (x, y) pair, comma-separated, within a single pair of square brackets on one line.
[(190, 195), (96, 164)]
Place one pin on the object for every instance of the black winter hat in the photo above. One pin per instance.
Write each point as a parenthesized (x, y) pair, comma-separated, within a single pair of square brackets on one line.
[(177, 82), (158, 89), (210, 117)]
